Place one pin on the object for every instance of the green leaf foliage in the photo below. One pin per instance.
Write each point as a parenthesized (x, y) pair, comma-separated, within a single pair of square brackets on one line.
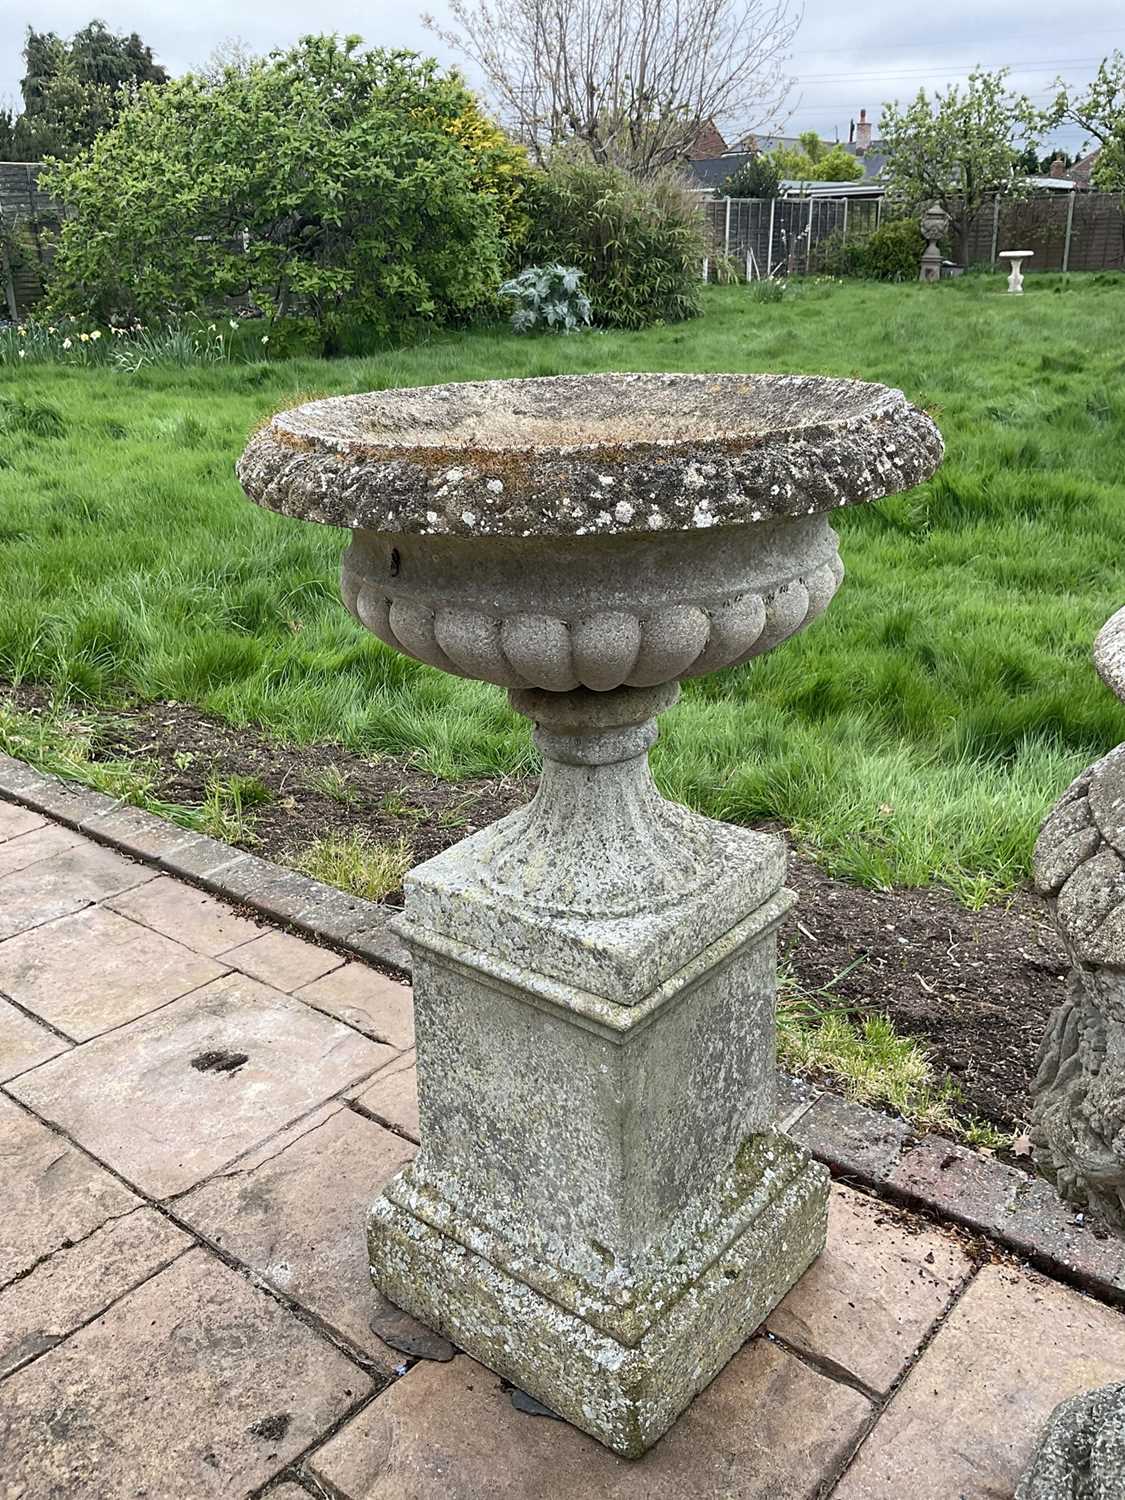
[(343, 185), (959, 148), (547, 298), (893, 252), (756, 178), (815, 161), (638, 244)]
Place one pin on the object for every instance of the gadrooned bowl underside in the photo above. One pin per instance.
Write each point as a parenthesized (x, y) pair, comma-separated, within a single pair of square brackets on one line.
[(579, 455)]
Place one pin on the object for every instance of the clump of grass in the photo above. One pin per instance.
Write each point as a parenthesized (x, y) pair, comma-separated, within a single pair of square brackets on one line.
[(332, 782), (874, 1063), (225, 813), (356, 862), (62, 745), (395, 805)]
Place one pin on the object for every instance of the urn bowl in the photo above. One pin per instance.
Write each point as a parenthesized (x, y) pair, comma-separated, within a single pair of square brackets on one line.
[(593, 531)]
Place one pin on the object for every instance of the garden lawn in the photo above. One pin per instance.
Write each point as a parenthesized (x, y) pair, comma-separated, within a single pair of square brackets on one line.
[(916, 733)]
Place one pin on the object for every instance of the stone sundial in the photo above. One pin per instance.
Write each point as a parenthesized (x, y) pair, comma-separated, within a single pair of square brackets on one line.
[(600, 1209)]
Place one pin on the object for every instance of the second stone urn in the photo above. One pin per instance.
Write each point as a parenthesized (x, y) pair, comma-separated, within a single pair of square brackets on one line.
[(601, 1209)]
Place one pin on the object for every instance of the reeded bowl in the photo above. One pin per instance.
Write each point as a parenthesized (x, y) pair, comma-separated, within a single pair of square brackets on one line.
[(591, 531)]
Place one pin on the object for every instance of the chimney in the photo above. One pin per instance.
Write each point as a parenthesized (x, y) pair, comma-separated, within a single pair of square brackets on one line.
[(1058, 167), (863, 132)]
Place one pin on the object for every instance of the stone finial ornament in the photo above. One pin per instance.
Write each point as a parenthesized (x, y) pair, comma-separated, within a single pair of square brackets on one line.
[(934, 225), (1081, 1453), (601, 1209), (1078, 1098)]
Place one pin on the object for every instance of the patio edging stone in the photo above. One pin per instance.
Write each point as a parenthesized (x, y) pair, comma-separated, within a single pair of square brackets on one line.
[(862, 1146)]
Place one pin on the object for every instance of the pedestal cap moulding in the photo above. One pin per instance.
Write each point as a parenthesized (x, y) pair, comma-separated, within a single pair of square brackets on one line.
[(601, 1209)]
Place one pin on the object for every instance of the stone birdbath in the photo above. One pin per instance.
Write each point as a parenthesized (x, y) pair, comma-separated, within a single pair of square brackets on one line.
[(1015, 259), (601, 1209)]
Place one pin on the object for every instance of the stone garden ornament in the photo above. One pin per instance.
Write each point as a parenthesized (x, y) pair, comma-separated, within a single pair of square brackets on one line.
[(934, 225), (1015, 259), (601, 1209), (1078, 1098)]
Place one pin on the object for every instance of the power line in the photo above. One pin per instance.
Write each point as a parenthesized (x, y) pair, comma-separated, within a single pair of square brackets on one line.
[(905, 46), (949, 70)]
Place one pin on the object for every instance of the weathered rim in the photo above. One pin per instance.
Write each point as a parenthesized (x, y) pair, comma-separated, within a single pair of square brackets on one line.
[(590, 454), (1109, 653)]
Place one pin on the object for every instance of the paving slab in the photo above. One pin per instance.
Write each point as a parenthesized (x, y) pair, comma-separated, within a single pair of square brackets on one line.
[(96, 969), (63, 883), (768, 1428), (52, 1192), (23, 1042), (872, 1297), (195, 1384), (379, 1007), (392, 1096), (853, 1140), (80, 1280), (198, 921), (21, 851), (966, 1418), (294, 1211), (16, 820), (176, 1095), (285, 961), (956, 1181)]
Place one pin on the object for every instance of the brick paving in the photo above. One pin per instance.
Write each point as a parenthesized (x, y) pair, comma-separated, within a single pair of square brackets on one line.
[(196, 1110)]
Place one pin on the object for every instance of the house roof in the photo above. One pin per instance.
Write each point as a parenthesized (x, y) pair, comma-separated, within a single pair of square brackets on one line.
[(1082, 171), (714, 171)]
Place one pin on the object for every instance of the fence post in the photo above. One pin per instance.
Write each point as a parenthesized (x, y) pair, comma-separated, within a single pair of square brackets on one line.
[(995, 229), (726, 232), (878, 212), (1069, 227), (769, 247), (808, 239), (9, 284), (845, 221)]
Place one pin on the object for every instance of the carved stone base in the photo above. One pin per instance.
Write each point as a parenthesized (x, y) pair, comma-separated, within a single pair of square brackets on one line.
[(622, 1373), (600, 1209)]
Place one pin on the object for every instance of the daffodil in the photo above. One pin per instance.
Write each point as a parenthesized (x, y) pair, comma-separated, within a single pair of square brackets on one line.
[(233, 322), (67, 344), (97, 333), (265, 338)]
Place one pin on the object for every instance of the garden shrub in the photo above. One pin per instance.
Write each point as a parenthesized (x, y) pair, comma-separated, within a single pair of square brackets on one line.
[(892, 252), (638, 244), (326, 182), (547, 297)]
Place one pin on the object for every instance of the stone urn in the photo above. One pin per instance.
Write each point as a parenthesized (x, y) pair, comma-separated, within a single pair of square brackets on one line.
[(934, 225), (601, 1209)]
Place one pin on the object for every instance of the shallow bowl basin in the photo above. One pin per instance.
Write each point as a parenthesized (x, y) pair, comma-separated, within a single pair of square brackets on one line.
[(591, 530)]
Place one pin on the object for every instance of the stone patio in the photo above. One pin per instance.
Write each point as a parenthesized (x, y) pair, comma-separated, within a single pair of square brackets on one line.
[(196, 1111)]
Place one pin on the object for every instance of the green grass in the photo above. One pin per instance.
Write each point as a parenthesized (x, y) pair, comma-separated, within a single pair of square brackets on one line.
[(917, 733), (872, 1062), (355, 862)]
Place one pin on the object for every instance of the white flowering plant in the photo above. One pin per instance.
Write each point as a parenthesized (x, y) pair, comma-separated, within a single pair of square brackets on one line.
[(548, 297)]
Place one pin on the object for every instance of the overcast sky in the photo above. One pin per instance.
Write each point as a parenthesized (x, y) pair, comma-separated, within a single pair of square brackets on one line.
[(846, 57)]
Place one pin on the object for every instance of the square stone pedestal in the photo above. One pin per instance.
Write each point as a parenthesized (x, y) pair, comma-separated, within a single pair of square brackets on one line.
[(601, 1210)]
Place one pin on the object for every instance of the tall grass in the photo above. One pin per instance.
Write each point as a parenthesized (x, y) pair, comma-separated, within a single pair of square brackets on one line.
[(916, 733)]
